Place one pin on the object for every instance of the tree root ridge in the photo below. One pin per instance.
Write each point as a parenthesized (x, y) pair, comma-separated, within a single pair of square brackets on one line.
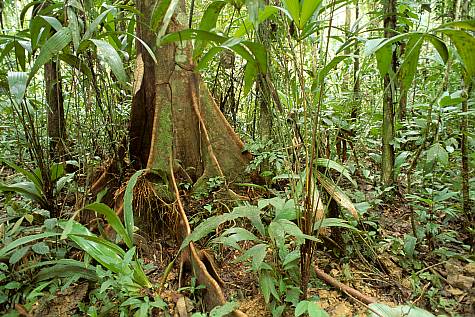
[(213, 295)]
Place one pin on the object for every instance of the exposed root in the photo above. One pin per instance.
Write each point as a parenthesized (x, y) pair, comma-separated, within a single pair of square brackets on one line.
[(151, 211), (213, 295)]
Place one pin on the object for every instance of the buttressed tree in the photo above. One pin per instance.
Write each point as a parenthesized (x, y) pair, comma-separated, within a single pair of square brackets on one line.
[(176, 128), (173, 114)]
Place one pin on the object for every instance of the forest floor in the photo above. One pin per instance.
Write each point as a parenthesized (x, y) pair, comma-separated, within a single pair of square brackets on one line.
[(444, 287), (441, 283)]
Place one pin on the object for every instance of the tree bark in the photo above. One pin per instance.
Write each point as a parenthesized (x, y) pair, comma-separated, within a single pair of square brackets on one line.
[(173, 114), (356, 76), (467, 86), (388, 99), (56, 121)]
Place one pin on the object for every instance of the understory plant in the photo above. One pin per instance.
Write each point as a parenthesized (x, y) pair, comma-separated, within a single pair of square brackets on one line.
[(275, 252)]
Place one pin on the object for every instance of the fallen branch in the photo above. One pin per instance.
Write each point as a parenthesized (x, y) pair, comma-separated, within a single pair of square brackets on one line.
[(342, 287)]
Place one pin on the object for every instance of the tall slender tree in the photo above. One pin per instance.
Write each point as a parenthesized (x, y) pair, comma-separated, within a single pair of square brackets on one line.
[(389, 97)]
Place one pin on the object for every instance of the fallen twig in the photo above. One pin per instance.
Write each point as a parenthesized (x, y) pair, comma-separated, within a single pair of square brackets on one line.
[(343, 287)]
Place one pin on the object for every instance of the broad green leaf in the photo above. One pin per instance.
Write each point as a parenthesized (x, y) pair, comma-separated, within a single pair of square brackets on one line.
[(158, 13), (259, 52), (56, 171), (409, 245), (439, 45), (27, 189), (466, 24), (6, 49), (257, 255), (20, 55), (112, 219), (253, 214), (17, 82), (106, 253), (400, 160), (267, 285), (74, 27), (278, 228), (437, 153), (40, 248), (408, 68), (62, 182), (253, 7), (12, 285), (372, 45), (284, 209), (18, 254), (128, 203), (106, 256), (383, 59), (308, 9), (166, 19), (444, 195), (378, 310), (449, 100), (209, 225), (333, 222), (39, 32), (97, 21), (287, 211), (112, 58), (326, 163), (52, 21), (293, 7), (27, 7), (277, 233), (465, 43), (114, 247), (291, 257), (232, 236), (53, 46), (208, 22), (61, 270), (337, 194), (76, 4), (24, 240), (224, 310), (301, 308), (250, 75), (316, 311)]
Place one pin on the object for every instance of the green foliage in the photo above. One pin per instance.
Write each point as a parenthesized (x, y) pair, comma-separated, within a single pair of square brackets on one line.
[(276, 250), (311, 308), (378, 309), (34, 188), (266, 161), (288, 64)]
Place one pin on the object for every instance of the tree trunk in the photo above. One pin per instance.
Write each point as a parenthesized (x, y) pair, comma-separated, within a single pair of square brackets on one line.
[(388, 99), (176, 128), (467, 208), (56, 121), (174, 116), (467, 85), (356, 76)]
